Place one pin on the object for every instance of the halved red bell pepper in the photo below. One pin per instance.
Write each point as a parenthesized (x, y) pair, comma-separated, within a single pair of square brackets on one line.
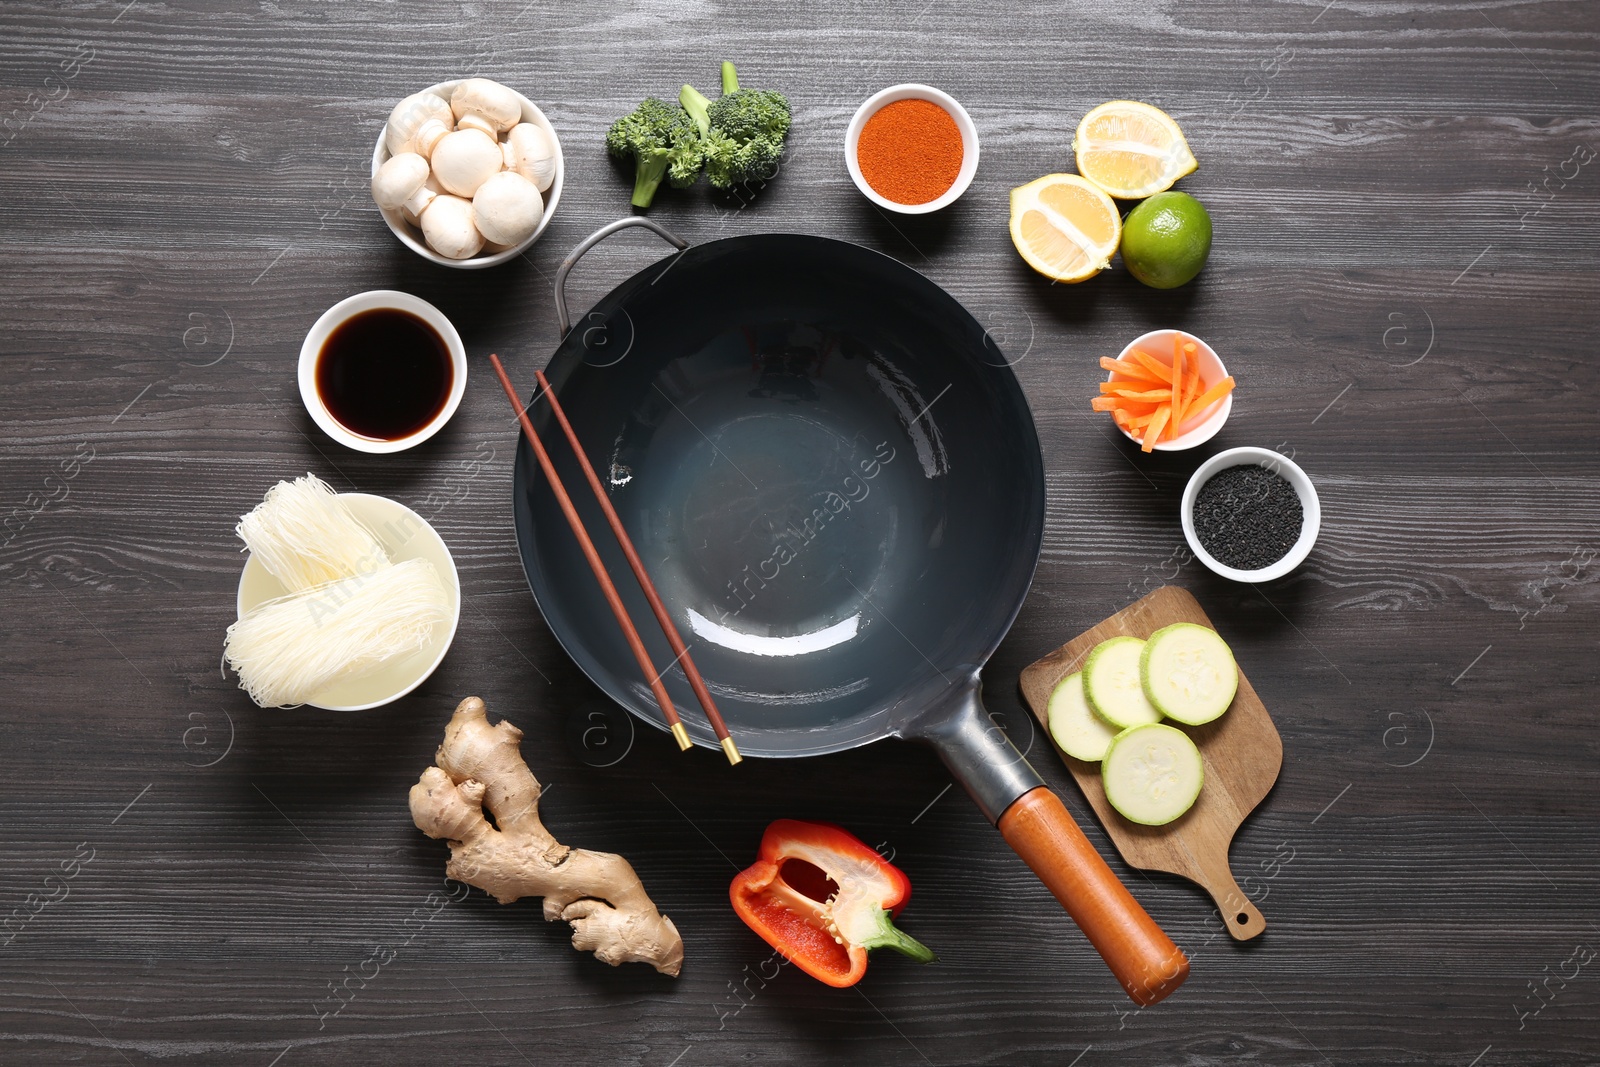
[(821, 897)]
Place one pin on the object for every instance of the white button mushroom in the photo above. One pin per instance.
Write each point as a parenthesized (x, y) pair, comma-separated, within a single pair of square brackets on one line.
[(431, 186), (490, 100), (401, 184), (447, 226), (463, 159), (417, 123), (506, 208), (531, 153), (478, 122)]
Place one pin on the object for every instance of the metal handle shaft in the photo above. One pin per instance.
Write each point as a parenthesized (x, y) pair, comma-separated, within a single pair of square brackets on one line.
[(562, 317)]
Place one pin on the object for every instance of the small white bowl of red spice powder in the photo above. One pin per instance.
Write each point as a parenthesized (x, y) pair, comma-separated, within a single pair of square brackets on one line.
[(911, 149)]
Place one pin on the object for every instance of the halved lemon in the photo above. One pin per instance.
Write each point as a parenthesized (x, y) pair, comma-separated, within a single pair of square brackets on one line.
[(1131, 150), (1065, 227)]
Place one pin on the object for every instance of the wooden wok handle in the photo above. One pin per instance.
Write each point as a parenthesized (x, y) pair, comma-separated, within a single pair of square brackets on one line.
[(1144, 959)]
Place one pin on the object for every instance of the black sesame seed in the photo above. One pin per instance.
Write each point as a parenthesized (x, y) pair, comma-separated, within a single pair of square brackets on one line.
[(1247, 517)]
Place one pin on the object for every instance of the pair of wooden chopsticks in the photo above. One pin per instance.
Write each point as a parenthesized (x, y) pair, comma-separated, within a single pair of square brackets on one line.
[(680, 650)]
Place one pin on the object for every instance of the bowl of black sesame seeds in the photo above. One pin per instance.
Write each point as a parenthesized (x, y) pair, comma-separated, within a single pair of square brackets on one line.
[(1250, 514)]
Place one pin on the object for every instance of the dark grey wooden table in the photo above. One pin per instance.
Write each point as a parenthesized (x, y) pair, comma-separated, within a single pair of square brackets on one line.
[(1404, 281)]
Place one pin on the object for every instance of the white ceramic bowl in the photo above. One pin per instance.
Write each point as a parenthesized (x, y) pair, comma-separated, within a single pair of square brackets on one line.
[(1310, 508), (411, 236), (1158, 343), (311, 348), (404, 535), (913, 91)]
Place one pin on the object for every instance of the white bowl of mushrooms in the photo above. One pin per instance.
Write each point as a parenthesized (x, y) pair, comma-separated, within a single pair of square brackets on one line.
[(467, 173)]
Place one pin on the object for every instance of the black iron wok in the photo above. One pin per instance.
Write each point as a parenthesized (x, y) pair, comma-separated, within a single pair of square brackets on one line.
[(834, 479)]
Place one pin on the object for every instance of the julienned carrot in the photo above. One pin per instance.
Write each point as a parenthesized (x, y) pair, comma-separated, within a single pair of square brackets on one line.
[(1137, 376), (1111, 403), (1152, 433), (1215, 393), (1132, 370), (1129, 385), (1209, 397), (1154, 366), (1133, 373), (1149, 396), (1192, 387), (1178, 379)]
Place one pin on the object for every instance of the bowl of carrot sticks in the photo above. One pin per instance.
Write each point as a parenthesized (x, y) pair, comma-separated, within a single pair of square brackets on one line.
[(1167, 391)]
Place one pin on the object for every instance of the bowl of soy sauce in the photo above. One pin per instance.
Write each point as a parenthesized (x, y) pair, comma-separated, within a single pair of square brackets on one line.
[(382, 371)]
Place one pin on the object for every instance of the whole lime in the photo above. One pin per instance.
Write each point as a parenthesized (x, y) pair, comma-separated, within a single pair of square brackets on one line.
[(1166, 239)]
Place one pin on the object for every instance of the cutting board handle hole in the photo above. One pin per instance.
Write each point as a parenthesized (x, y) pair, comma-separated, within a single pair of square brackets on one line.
[(1242, 919)]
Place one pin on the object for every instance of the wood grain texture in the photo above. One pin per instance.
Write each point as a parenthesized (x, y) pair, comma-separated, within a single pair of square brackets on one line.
[(1402, 283), (1241, 752)]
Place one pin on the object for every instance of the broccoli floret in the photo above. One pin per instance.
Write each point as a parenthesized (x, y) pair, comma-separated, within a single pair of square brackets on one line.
[(730, 164), (661, 141), (684, 159), (742, 132)]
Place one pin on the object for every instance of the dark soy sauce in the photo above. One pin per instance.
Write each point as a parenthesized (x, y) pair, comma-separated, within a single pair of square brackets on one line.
[(384, 374)]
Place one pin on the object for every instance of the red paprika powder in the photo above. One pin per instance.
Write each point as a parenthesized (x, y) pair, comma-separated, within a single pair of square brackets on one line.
[(910, 151)]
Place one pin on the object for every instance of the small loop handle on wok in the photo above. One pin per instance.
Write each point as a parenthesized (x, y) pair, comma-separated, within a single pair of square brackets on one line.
[(562, 317)]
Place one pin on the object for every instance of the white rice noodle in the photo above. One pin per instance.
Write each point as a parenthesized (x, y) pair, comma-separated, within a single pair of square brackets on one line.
[(305, 536), (288, 650)]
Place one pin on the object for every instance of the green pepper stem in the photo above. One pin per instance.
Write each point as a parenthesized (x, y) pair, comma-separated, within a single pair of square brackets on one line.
[(891, 936)]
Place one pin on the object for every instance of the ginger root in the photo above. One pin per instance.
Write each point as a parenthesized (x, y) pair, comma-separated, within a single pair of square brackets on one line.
[(481, 766)]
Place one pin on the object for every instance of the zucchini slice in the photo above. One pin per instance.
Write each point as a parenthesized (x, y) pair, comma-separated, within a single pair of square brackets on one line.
[(1077, 729), (1152, 774), (1111, 683), (1188, 673)]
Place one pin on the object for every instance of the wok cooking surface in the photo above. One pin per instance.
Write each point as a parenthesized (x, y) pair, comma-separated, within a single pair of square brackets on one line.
[(828, 470), (778, 555)]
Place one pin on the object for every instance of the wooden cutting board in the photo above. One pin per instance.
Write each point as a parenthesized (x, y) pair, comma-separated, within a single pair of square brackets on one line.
[(1241, 751)]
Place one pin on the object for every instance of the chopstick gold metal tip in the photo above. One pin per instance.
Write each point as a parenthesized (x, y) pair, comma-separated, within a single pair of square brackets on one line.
[(681, 735), (732, 751)]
